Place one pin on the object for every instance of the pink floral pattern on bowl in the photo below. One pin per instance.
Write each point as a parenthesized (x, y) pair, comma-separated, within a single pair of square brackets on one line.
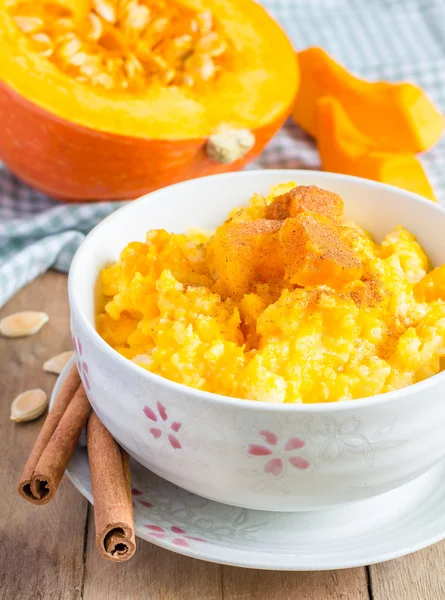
[(175, 535), (162, 426), (278, 454), (82, 366), (136, 492)]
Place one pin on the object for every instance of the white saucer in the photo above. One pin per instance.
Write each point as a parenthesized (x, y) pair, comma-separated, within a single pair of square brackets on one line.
[(370, 531)]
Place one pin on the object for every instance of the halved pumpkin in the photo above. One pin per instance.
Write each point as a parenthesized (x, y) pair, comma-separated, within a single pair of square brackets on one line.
[(107, 99)]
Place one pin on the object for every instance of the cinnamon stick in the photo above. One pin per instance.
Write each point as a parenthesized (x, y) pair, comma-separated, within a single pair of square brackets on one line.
[(56, 442), (111, 482)]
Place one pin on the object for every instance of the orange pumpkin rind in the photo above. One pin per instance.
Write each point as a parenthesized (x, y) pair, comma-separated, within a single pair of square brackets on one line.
[(397, 117), (344, 149)]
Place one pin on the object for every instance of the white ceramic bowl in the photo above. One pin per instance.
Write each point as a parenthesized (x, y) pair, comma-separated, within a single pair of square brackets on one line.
[(202, 442)]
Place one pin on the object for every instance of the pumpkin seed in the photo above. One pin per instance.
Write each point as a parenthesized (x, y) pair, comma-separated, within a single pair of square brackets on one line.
[(42, 43), (194, 26), (65, 37), (211, 44), (138, 17), (64, 24), (186, 79), (56, 363), (122, 8), (23, 324), (96, 27), (78, 59), (88, 70), (29, 405), (103, 79), (168, 76), (70, 48), (132, 67), (179, 47), (28, 24), (106, 10), (200, 65), (205, 21), (159, 25)]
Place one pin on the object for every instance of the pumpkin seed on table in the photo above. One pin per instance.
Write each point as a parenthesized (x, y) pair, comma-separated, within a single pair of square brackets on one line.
[(55, 364), (29, 405), (23, 324)]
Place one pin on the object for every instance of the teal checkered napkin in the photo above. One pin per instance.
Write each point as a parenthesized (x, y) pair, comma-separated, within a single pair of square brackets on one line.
[(37, 233), (377, 39)]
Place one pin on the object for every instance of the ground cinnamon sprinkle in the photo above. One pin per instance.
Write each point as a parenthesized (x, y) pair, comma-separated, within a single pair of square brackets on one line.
[(306, 198), (315, 253), (250, 252), (388, 346), (368, 291), (333, 247), (280, 208), (314, 298)]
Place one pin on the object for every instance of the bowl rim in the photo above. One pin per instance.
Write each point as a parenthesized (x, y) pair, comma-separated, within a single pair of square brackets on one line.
[(336, 406)]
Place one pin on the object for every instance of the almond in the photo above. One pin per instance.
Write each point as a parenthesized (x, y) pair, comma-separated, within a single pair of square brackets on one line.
[(29, 405), (23, 324), (58, 362)]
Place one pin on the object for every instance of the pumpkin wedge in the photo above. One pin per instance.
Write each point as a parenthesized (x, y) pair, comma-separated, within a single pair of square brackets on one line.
[(397, 117), (344, 149), (110, 99)]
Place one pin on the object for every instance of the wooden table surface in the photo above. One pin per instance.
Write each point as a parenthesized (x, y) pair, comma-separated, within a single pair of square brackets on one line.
[(48, 553)]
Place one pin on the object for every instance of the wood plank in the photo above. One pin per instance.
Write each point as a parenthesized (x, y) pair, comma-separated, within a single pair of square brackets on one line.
[(41, 548), (419, 576), (152, 574), (156, 574), (245, 584)]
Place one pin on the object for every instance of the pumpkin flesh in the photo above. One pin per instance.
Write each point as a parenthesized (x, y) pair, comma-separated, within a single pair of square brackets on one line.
[(344, 149), (397, 117)]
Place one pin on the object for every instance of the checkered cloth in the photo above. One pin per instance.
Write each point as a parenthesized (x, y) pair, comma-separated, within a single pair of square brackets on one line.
[(377, 39)]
